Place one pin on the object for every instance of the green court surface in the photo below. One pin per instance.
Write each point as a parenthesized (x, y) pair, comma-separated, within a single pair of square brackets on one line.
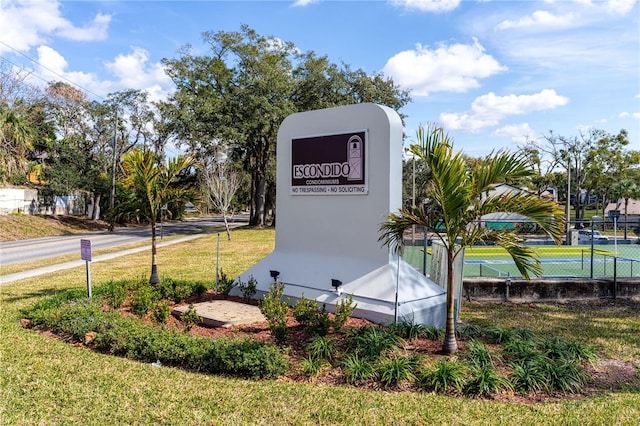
[(556, 261)]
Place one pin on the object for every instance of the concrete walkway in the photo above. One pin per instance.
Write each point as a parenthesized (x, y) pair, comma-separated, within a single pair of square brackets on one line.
[(4, 279)]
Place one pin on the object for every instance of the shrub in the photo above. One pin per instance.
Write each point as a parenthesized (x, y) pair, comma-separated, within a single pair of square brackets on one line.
[(395, 370), (371, 341), (313, 366), (468, 331), (305, 310), (142, 300), (225, 284), (522, 352), (407, 329), (495, 334), (115, 293), (343, 310), (445, 375), (357, 370), (479, 355), (161, 311), (275, 310), (181, 292), (321, 347), (190, 317), (529, 377), (485, 381), (248, 289), (566, 375), (432, 333)]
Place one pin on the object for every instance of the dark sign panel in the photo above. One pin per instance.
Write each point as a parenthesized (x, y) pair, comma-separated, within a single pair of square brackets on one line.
[(330, 164)]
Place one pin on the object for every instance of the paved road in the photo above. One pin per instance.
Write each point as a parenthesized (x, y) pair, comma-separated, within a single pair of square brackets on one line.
[(42, 248)]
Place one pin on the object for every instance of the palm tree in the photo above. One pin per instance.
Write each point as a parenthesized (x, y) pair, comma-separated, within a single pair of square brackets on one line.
[(627, 189), (16, 140), (458, 197), (153, 186)]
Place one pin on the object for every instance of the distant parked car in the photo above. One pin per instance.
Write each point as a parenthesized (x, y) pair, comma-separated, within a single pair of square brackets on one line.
[(585, 235)]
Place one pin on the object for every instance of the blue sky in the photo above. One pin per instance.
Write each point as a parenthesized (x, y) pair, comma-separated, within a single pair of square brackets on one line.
[(493, 73)]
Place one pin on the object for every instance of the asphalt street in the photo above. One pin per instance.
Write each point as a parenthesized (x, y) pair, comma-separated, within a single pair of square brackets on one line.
[(41, 248)]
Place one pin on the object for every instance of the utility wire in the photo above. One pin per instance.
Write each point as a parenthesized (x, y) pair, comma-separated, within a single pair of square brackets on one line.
[(48, 69)]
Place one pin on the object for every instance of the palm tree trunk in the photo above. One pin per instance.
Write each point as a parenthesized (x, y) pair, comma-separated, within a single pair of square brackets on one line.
[(450, 344), (153, 279)]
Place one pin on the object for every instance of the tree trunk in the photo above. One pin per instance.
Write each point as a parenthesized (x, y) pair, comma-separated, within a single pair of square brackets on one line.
[(226, 225), (153, 279), (450, 344), (259, 212), (95, 215)]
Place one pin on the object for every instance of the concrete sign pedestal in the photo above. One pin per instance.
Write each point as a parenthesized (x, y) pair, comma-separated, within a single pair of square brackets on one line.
[(339, 174)]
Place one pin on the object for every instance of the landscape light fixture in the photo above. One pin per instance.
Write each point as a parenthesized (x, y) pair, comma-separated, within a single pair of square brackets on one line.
[(336, 285), (274, 274)]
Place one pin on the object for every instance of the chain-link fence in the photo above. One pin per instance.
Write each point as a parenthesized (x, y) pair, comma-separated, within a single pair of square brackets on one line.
[(611, 258)]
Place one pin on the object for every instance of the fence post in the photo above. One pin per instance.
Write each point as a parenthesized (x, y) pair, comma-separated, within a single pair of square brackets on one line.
[(615, 277)]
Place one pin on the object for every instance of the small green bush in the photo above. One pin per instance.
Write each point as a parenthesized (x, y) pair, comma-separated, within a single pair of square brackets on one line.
[(479, 355), (313, 366), (115, 293), (142, 300), (498, 335), (392, 371), (566, 375), (305, 310), (407, 329), (371, 341), (321, 347), (248, 289), (161, 311), (343, 310), (181, 292), (529, 377), (357, 370), (190, 317), (275, 309), (443, 376), (485, 381), (225, 284), (468, 331)]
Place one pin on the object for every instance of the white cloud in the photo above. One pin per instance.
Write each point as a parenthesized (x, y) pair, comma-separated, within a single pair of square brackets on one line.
[(26, 24), (487, 110), (625, 114), (619, 7), (131, 71), (519, 133), (135, 71), (538, 19), (302, 3), (436, 6), (451, 68), (96, 31)]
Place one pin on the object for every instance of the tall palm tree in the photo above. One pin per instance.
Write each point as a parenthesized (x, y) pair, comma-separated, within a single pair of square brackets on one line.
[(627, 189), (458, 197), (16, 140), (153, 186)]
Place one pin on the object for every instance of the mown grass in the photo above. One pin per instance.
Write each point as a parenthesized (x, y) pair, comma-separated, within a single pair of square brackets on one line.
[(47, 381), (21, 226)]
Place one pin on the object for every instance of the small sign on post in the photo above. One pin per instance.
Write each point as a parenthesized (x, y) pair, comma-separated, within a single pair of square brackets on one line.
[(85, 254)]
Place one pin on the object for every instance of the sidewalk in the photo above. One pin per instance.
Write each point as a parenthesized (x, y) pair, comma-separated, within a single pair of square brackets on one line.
[(5, 279)]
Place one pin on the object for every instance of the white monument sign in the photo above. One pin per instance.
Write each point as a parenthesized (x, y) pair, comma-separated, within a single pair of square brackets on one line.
[(339, 174)]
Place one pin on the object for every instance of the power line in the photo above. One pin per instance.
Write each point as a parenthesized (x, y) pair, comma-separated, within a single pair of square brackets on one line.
[(48, 69)]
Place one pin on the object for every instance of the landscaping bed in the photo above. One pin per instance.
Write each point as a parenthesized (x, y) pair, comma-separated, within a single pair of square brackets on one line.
[(130, 319)]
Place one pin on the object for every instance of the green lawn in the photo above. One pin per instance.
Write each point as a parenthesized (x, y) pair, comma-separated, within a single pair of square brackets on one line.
[(47, 381)]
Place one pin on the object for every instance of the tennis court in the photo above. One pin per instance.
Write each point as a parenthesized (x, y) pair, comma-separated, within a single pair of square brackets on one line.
[(556, 261)]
